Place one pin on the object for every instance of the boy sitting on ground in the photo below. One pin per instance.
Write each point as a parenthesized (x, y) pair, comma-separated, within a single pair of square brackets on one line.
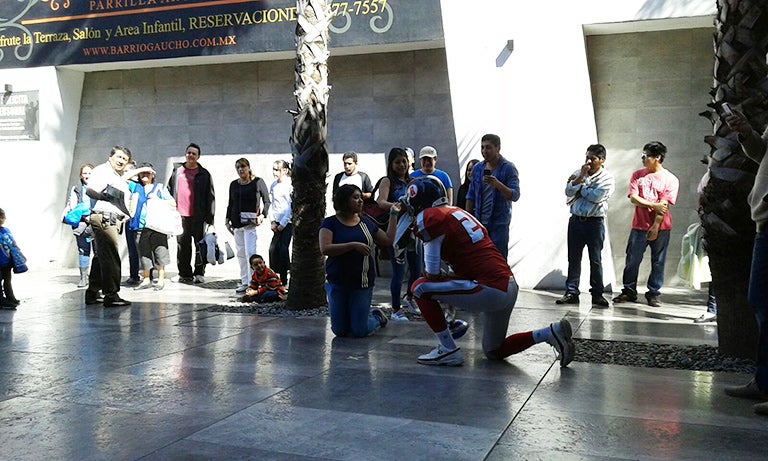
[(265, 284)]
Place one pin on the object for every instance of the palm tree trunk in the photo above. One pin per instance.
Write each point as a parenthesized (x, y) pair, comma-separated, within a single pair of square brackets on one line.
[(740, 80), (310, 153)]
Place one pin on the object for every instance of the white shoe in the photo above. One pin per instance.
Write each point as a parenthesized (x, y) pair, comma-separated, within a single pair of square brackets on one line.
[(241, 289), (199, 279), (441, 356), (399, 316), (411, 306), (561, 338)]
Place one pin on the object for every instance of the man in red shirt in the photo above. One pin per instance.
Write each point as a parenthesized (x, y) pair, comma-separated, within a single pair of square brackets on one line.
[(481, 280)]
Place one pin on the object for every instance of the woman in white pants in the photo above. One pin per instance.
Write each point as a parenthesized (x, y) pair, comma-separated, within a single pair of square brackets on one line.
[(248, 206)]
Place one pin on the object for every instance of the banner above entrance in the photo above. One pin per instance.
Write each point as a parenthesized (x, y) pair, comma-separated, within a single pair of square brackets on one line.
[(37, 33)]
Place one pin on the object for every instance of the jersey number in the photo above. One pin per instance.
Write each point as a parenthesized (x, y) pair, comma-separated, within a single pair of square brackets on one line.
[(474, 229)]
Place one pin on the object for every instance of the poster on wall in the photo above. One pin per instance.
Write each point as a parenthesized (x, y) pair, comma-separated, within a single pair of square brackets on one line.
[(59, 32), (20, 116)]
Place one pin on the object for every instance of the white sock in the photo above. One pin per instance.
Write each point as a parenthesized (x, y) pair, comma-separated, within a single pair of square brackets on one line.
[(446, 340), (542, 335)]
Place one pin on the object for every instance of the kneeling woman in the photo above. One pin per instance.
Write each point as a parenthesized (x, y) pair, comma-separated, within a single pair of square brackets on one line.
[(347, 239)]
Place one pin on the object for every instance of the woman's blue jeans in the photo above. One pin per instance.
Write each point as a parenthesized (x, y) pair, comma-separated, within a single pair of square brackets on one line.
[(350, 311), (398, 273), (636, 244), (758, 299)]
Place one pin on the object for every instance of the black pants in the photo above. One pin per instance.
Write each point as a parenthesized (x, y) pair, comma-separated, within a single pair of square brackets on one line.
[(105, 267), (132, 241), (7, 290), (279, 258), (189, 242)]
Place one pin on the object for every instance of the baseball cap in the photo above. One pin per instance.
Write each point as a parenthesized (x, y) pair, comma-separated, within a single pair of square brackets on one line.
[(428, 151)]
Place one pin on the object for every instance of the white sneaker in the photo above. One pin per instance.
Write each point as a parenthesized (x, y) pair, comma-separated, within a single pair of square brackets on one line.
[(241, 289), (561, 338), (399, 316), (199, 279), (411, 306), (441, 356)]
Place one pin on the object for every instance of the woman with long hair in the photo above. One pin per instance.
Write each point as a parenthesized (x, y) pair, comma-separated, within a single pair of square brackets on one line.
[(248, 206), (391, 188), (461, 195)]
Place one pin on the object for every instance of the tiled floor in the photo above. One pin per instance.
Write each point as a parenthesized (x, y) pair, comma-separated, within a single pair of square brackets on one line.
[(165, 379)]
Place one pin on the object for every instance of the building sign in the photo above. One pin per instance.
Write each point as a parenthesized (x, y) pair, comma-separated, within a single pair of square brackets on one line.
[(19, 116), (59, 32)]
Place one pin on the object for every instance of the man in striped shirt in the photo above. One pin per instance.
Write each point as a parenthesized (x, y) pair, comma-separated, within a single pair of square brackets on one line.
[(588, 190)]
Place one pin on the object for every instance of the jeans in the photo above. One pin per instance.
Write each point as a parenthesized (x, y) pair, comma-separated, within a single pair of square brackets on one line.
[(349, 310), (499, 235), (188, 244), (83, 249), (758, 299), (398, 273), (279, 256), (245, 247), (636, 244), (590, 233)]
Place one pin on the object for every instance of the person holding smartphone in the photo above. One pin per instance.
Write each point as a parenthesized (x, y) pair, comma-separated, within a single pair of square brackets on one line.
[(494, 186)]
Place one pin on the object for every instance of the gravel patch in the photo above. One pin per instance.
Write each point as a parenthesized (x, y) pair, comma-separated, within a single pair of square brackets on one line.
[(701, 358), (646, 355)]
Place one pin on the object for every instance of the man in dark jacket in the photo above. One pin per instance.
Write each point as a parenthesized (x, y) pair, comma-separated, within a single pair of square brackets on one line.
[(192, 188)]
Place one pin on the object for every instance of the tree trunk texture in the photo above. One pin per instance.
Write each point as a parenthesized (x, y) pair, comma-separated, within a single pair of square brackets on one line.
[(740, 80), (310, 153)]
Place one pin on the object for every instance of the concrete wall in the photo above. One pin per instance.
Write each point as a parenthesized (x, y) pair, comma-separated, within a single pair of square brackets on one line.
[(378, 101), (33, 188), (538, 98), (651, 86)]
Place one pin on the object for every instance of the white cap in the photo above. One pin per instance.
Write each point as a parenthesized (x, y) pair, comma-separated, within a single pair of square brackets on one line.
[(428, 151)]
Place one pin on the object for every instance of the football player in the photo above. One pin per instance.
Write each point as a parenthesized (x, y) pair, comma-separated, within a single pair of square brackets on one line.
[(481, 280)]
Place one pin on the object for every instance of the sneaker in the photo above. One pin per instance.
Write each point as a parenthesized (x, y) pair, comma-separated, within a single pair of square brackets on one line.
[(625, 297), (561, 338), (241, 289), (378, 315), (180, 279), (706, 317), (600, 301), (747, 391), (568, 298), (653, 300), (411, 306), (399, 316), (199, 279), (441, 356), (458, 328), (146, 283)]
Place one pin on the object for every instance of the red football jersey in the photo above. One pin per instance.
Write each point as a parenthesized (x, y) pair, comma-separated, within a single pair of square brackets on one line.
[(466, 246)]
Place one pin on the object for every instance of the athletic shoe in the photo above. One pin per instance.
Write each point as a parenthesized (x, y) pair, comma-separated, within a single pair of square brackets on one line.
[(131, 282), (458, 328), (441, 356), (568, 298), (411, 306), (378, 315), (180, 279), (706, 317), (747, 391), (241, 289), (561, 338), (199, 279), (399, 316)]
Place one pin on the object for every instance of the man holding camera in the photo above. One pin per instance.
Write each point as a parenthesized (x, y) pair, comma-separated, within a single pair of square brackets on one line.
[(109, 189), (495, 184)]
